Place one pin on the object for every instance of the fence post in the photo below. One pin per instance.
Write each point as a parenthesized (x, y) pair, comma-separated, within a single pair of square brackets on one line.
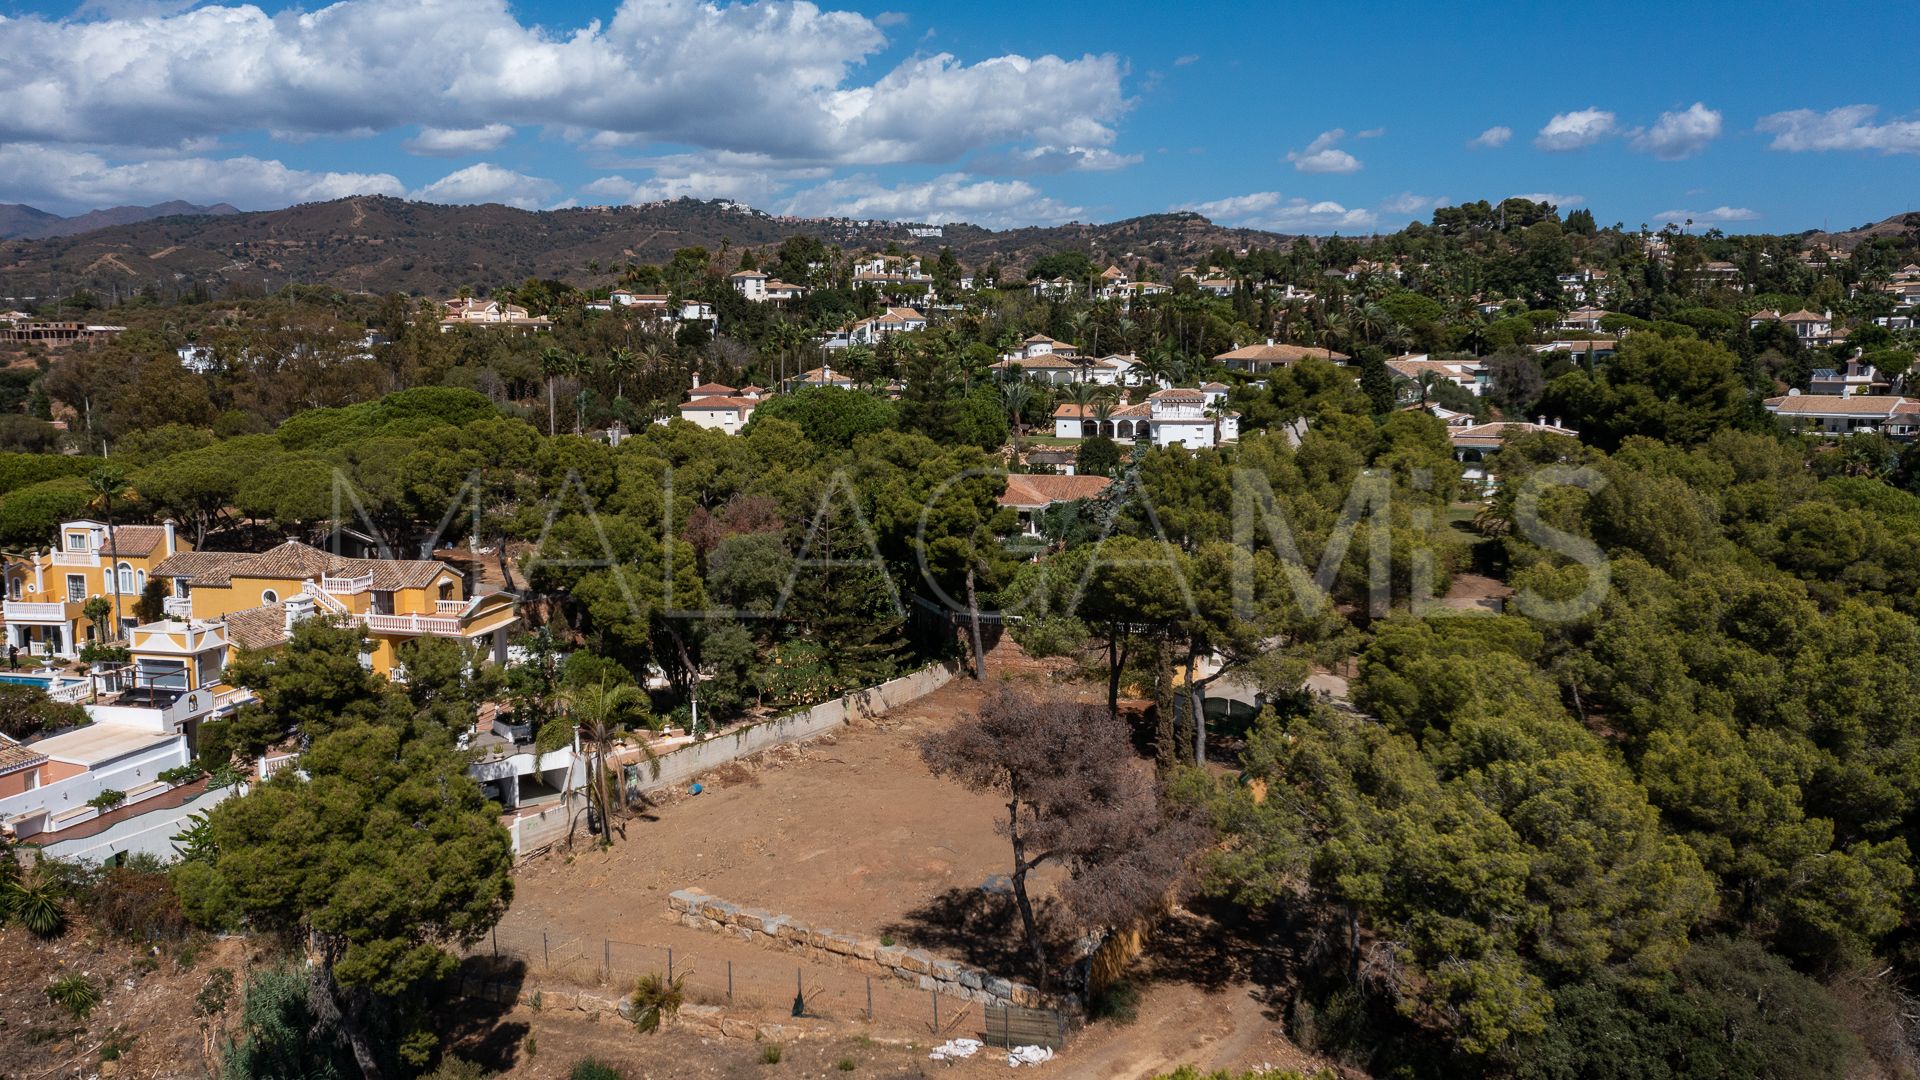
[(869, 999), (606, 946), (670, 964), (546, 951), (936, 1013), (496, 940), (729, 982)]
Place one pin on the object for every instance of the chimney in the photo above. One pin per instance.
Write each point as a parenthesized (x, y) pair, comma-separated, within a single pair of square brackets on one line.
[(696, 378), (1543, 420), (297, 609), (168, 526), (1556, 421)]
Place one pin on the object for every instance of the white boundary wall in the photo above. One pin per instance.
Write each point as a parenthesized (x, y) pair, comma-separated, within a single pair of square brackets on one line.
[(677, 766)]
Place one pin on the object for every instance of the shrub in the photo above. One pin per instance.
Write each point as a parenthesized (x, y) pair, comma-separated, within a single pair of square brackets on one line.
[(457, 1068), (134, 902), (107, 799), (182, 774), (1118, 1001), (74, 994), (656, 998), (844, 1064), (770, 1054), (591, 1069), (34, 901), (213, 997)]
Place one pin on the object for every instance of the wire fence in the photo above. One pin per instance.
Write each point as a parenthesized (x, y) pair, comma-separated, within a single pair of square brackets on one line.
[(798, 987)]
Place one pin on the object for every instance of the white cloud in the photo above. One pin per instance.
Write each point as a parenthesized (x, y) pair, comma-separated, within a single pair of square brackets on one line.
[(1189, 58), (748, 178), (1370, 133), (1553, 197), (1716, 216), (1493, 138), (1047, 160), (781, 77), (486, 183), (1576, 130), (1322, 155), (1849, 127), (949, 198), (57, 176), (458, 142), (1678, 135), (1407, 203), (1274, 211), (890, 18)]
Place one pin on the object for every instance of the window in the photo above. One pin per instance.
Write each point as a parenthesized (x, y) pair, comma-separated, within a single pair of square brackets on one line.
[(126, 583), (76, 541), (268, 596), (76, 588)]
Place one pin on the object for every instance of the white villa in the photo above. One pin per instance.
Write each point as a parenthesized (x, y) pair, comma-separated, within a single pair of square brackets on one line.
[(719, 407), (1410, 369), (760, 288), (489, 313), (1257, 359), (1194, 418), (878, 328), (1831, 414)]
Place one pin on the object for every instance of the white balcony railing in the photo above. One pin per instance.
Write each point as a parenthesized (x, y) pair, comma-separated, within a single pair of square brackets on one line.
[(347, 586), (439, 625), (178, 607), (76, 558), (34, 611), (72, 693), (450, 607)]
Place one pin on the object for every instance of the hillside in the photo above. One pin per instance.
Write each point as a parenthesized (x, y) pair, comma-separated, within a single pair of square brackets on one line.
[(21, 222), (1898, 225), (380, 244)]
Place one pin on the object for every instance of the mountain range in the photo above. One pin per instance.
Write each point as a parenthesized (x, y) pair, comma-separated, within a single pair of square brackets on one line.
[(381, 244), (19, 221)]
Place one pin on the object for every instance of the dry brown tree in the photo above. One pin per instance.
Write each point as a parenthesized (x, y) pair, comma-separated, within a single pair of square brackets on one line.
[(1078, 797)]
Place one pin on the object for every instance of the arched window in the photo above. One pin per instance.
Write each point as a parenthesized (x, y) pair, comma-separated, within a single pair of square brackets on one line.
[(268, 596), (126, 584)]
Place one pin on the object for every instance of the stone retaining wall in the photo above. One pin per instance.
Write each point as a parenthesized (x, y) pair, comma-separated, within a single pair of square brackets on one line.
[(697, 909)]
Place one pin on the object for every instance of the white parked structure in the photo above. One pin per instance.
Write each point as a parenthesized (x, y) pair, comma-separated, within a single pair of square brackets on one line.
[(874, 330)]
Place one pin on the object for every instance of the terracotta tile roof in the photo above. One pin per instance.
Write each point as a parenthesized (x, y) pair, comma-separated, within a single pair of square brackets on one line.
[(1279, 354), (1803, 315), (136, 539), (261, 627), (1497, 433), (713, 388), (1836, 405), (728, 403), (1031, 491), (295, 560), (1120, 412), (14, 757), (1176, 393)]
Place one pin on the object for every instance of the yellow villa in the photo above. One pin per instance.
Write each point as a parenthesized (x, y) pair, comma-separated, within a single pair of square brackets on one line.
[(46, 590), (258, 597)]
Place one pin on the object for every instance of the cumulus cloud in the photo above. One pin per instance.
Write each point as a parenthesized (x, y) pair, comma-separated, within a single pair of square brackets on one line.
[(1407, 203), (948, 198), (780, 77), (1493, 138), (1681, 134), (1323, 155), (1047, 160), (1553, 197), (486, 183), (748, 178), (1717, 215), (59, 176), (1275, 211), (457, 142), (1850, 127), (1576, 130)]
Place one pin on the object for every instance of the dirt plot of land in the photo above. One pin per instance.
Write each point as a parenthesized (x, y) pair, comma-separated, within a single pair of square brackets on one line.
[(852, 833)]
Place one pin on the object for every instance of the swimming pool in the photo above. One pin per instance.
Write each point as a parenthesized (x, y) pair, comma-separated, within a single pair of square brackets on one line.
[(21, 678)]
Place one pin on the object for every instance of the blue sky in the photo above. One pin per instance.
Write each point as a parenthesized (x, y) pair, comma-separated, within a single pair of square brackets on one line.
[(1349, 117)]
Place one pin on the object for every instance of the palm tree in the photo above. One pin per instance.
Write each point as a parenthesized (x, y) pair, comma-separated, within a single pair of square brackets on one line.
[(554, 362), (1015, 396), (1082, 395), (108, 482), (620, 364), (596, 712), (1103, 406)]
